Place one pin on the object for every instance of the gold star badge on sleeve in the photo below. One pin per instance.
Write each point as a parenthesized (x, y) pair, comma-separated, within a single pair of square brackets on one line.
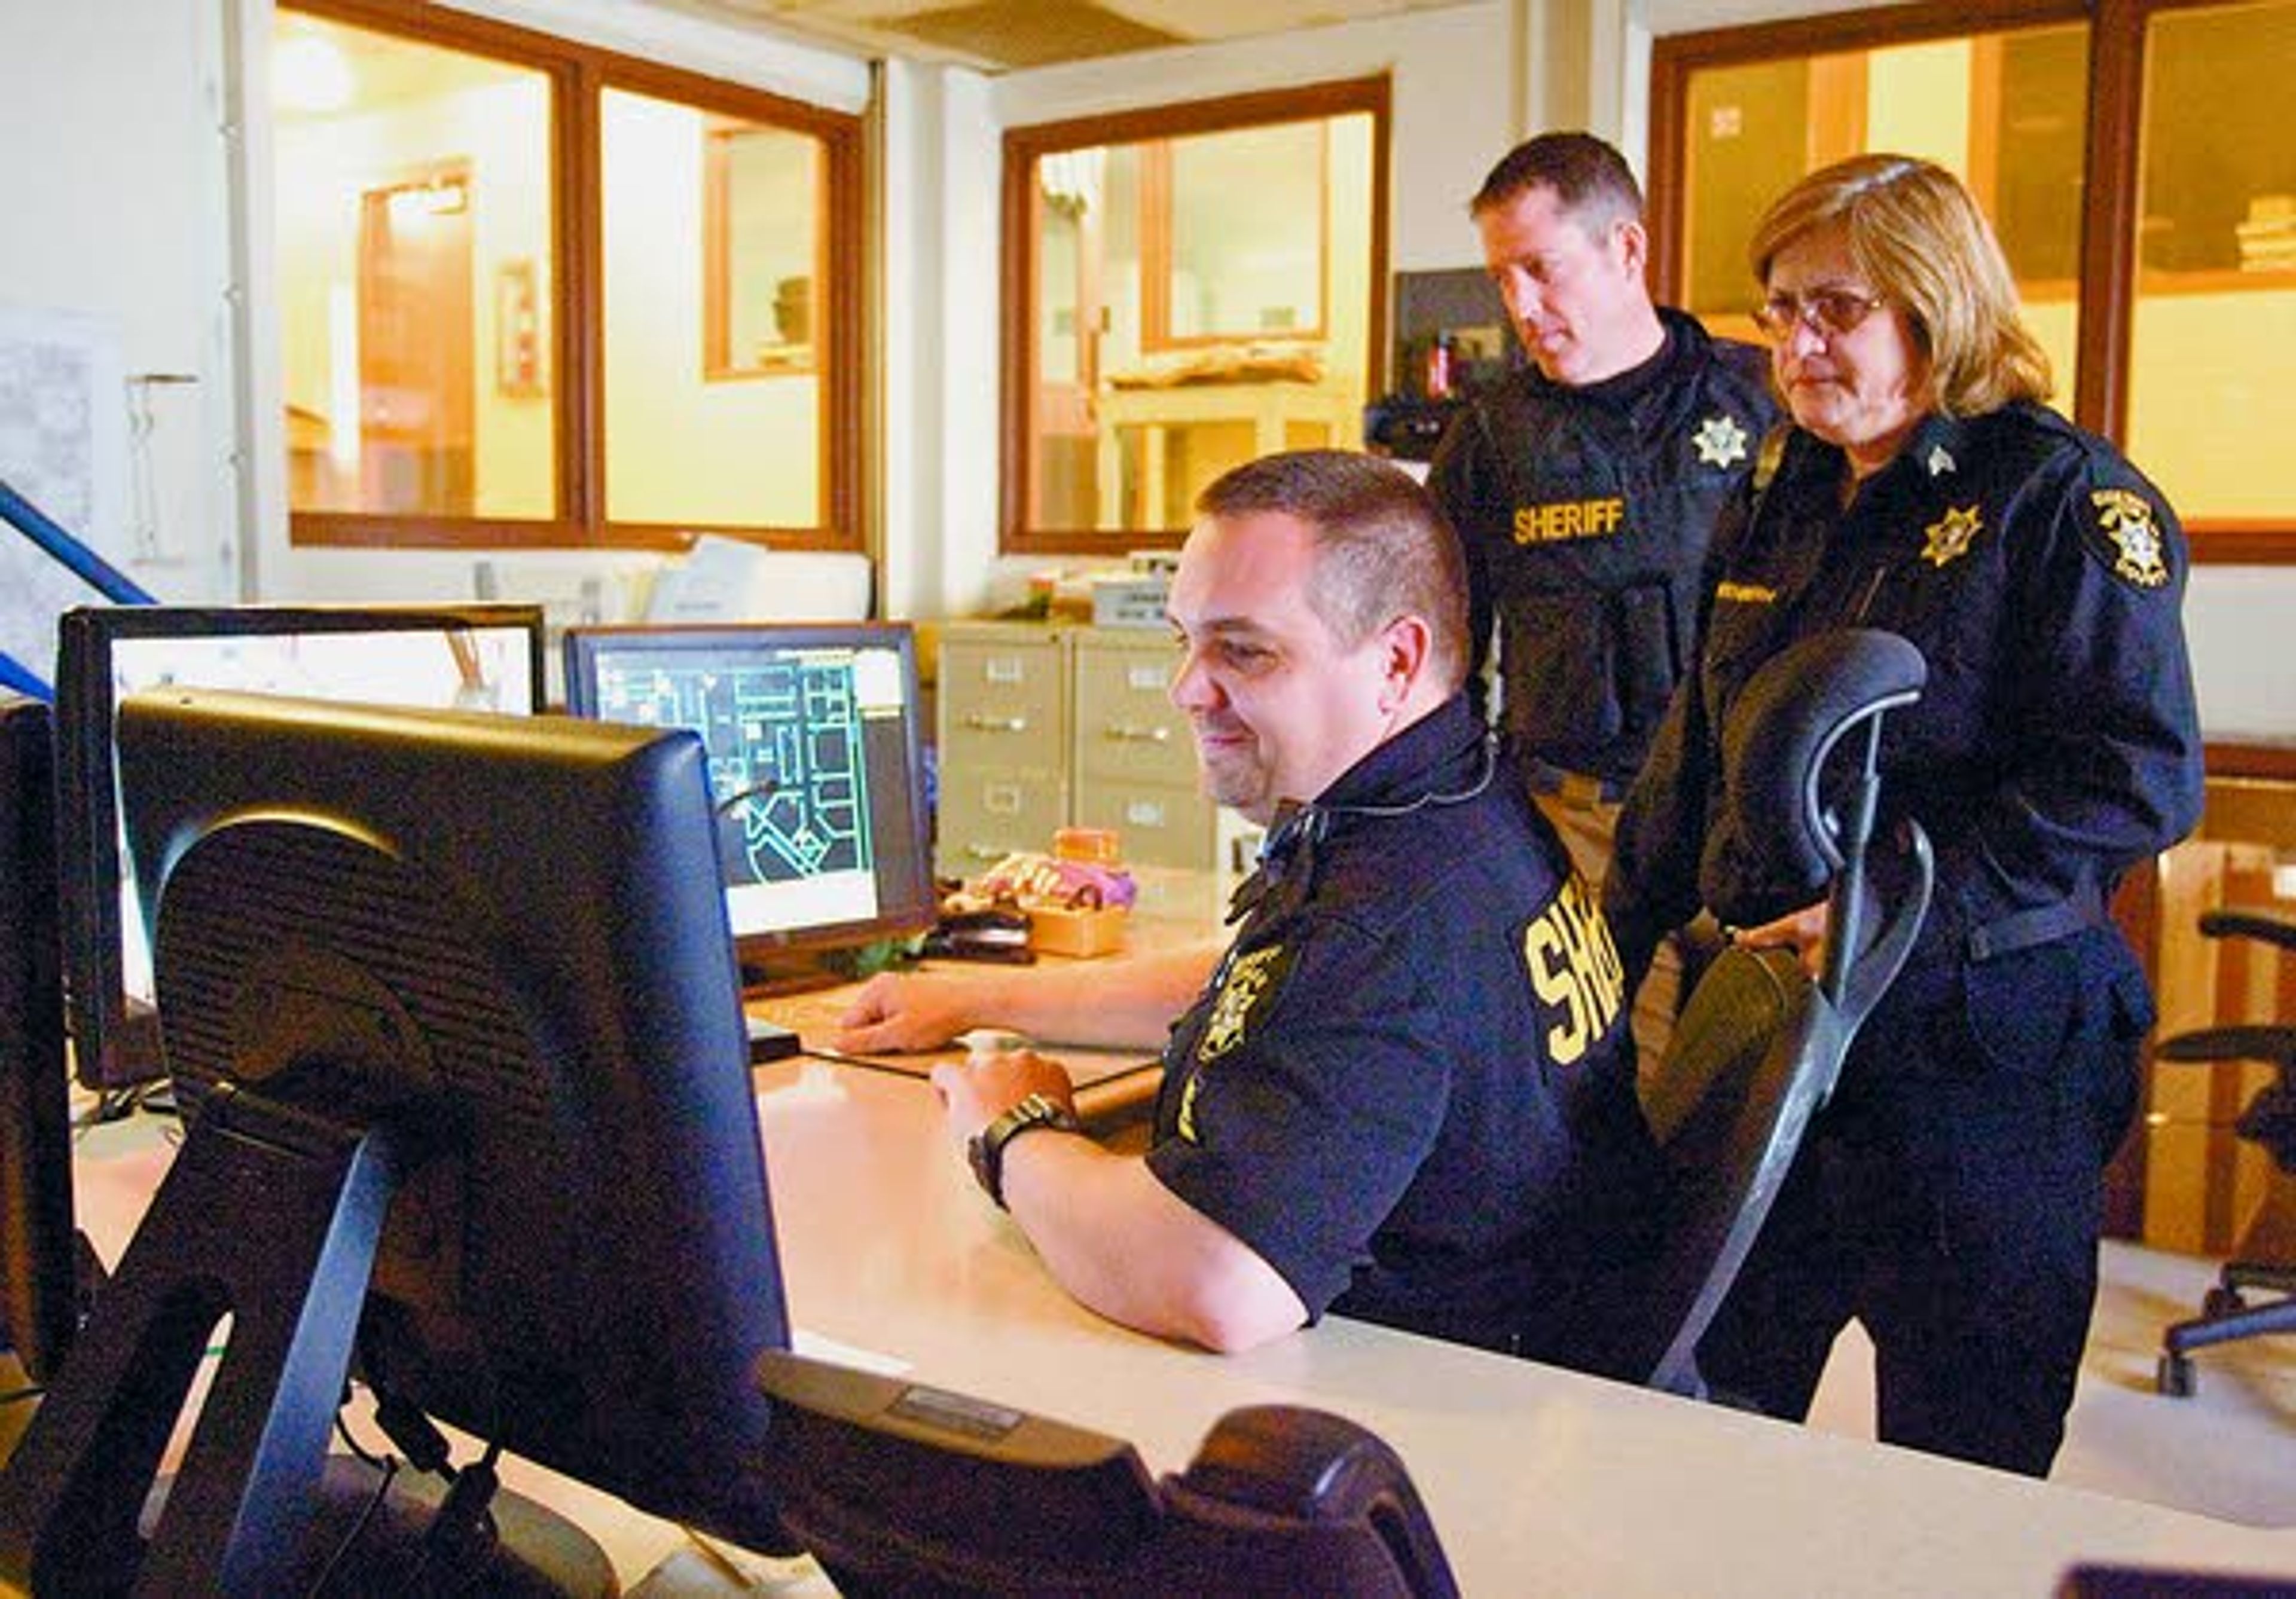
[(2126, 518), (1950, 535), (1251, 978)]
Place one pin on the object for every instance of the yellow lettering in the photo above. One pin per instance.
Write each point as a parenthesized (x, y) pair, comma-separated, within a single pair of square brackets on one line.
[(1569, 518), (1575, 969), (1551, 980)]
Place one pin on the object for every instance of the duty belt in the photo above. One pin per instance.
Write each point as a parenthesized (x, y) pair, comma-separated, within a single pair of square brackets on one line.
[(1582, 789), (2041, 924)]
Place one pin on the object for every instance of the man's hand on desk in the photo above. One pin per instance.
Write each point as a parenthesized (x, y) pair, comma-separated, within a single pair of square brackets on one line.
[(917, 1010), (979, 1090)]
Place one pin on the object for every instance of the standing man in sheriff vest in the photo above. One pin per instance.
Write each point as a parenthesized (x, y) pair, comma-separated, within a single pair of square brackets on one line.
[(1585, 489)]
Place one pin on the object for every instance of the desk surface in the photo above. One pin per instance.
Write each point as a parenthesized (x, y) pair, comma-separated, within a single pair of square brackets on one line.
[(1539, 1481)]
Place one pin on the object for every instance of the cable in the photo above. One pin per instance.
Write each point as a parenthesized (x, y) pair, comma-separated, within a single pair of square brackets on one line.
[(390, 1469), (343, 1430)]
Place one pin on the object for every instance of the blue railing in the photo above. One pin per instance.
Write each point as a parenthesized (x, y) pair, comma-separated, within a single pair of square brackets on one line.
[(61, 547)]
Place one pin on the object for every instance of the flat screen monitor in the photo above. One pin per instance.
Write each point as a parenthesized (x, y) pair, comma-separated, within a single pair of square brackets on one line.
[(38, 1286), (473, 656), (816, 766), (489, 952)]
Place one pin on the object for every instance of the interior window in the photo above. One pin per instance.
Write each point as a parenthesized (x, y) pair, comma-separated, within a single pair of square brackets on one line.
[(2212, 345), (413, 248), (1191, 297), (713, 407), (2002, 111), (523, 303)]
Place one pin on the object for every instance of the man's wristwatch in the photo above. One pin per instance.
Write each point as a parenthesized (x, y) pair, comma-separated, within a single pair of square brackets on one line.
[(986, 1150)]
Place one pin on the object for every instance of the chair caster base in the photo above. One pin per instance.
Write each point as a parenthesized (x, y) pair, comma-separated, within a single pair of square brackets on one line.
[(2218, 1303)]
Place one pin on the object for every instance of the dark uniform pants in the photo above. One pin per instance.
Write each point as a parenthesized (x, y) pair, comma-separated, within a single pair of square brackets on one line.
[(1950, 1198)]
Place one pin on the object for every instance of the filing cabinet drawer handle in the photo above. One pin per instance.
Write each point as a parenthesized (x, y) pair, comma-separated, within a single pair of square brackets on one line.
[(1132, 733), (985, 723), (985, 852)]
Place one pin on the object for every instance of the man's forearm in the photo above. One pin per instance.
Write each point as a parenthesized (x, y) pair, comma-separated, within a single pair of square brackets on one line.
[(1126, 1247), (1127, 1003)]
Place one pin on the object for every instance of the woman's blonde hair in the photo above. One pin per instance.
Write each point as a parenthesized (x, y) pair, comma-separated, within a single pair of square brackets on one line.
[(1920, 242)]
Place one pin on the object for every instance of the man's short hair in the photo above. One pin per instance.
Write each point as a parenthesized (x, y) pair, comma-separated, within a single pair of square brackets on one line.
[(1589, 177), (1384, 548)]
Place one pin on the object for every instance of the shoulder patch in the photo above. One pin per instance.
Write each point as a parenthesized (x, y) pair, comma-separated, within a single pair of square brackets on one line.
[(1248, 989), (2129, 531)]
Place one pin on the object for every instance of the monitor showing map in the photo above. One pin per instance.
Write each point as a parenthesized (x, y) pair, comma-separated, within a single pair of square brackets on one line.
[(816, 765)]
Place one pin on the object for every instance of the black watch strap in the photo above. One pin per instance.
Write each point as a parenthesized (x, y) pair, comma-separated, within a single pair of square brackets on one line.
[(986, 1151)]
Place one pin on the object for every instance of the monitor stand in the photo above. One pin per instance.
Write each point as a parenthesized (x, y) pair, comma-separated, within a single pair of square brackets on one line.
[(793, 971), (270, 1216)]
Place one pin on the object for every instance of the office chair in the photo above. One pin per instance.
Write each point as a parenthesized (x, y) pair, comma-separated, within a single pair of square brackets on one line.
[(1758, 1045), (900, 1489), (2265, 1256)]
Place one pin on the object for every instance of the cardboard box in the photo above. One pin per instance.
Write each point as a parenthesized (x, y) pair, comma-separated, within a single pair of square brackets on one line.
[(1130, 600), (1080, 933)]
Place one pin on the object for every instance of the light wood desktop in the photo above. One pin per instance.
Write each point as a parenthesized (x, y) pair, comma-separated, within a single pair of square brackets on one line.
[(1539, 1481)]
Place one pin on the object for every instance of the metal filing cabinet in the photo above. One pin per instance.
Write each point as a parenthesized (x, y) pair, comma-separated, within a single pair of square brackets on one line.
[(1046, 725), (1003, 731), (1134, 762)]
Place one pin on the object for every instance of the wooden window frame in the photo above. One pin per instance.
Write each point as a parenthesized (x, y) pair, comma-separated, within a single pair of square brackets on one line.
[(1024, 146), (578, 76), (2109, 279), (717, 364), (1156, 257)]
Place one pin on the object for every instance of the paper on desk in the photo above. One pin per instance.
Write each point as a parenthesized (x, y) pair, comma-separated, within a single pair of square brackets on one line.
[(813, 1345)]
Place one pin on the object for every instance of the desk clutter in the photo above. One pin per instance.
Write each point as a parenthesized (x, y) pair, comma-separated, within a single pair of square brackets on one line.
[(1073, 902)]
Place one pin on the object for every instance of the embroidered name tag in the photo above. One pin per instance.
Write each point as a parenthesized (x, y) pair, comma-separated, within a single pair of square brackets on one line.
[(1569, 518)]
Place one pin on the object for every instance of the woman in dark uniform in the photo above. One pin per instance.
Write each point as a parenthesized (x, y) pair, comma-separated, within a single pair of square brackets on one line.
[(1949, 1196)]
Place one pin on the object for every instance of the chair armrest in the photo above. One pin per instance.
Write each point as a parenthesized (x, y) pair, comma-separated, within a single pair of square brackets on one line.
[(2271, 927), (2261, 1041)]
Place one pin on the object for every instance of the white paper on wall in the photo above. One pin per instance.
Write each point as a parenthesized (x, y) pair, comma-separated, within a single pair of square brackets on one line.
[(64, 447)]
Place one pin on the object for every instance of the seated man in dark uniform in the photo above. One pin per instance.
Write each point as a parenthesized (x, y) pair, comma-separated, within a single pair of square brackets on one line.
[(1406, 1093)]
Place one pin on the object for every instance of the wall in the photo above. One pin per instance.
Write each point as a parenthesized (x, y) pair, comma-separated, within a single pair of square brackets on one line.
[(113, 197), (133, 218)]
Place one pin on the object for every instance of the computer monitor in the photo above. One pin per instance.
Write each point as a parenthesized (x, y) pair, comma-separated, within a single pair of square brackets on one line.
[(451, 995), (481, 657), (816, 762), (39, 1277)]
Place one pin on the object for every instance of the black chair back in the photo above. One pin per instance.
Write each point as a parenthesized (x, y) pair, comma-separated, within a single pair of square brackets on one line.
[(1758, 1049), (902, 1490)]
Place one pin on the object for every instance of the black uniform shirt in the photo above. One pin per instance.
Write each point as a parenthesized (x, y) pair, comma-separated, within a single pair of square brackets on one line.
[(2056, 742), (1408, 1085), (1585, 515)]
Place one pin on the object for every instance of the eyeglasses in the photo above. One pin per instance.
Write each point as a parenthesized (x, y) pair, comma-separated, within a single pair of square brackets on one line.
[(1829, 313)]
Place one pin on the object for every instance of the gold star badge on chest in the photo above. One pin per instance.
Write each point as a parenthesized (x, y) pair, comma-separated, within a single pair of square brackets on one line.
[(1950, 535), (1720, 441), (2126, 518)]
